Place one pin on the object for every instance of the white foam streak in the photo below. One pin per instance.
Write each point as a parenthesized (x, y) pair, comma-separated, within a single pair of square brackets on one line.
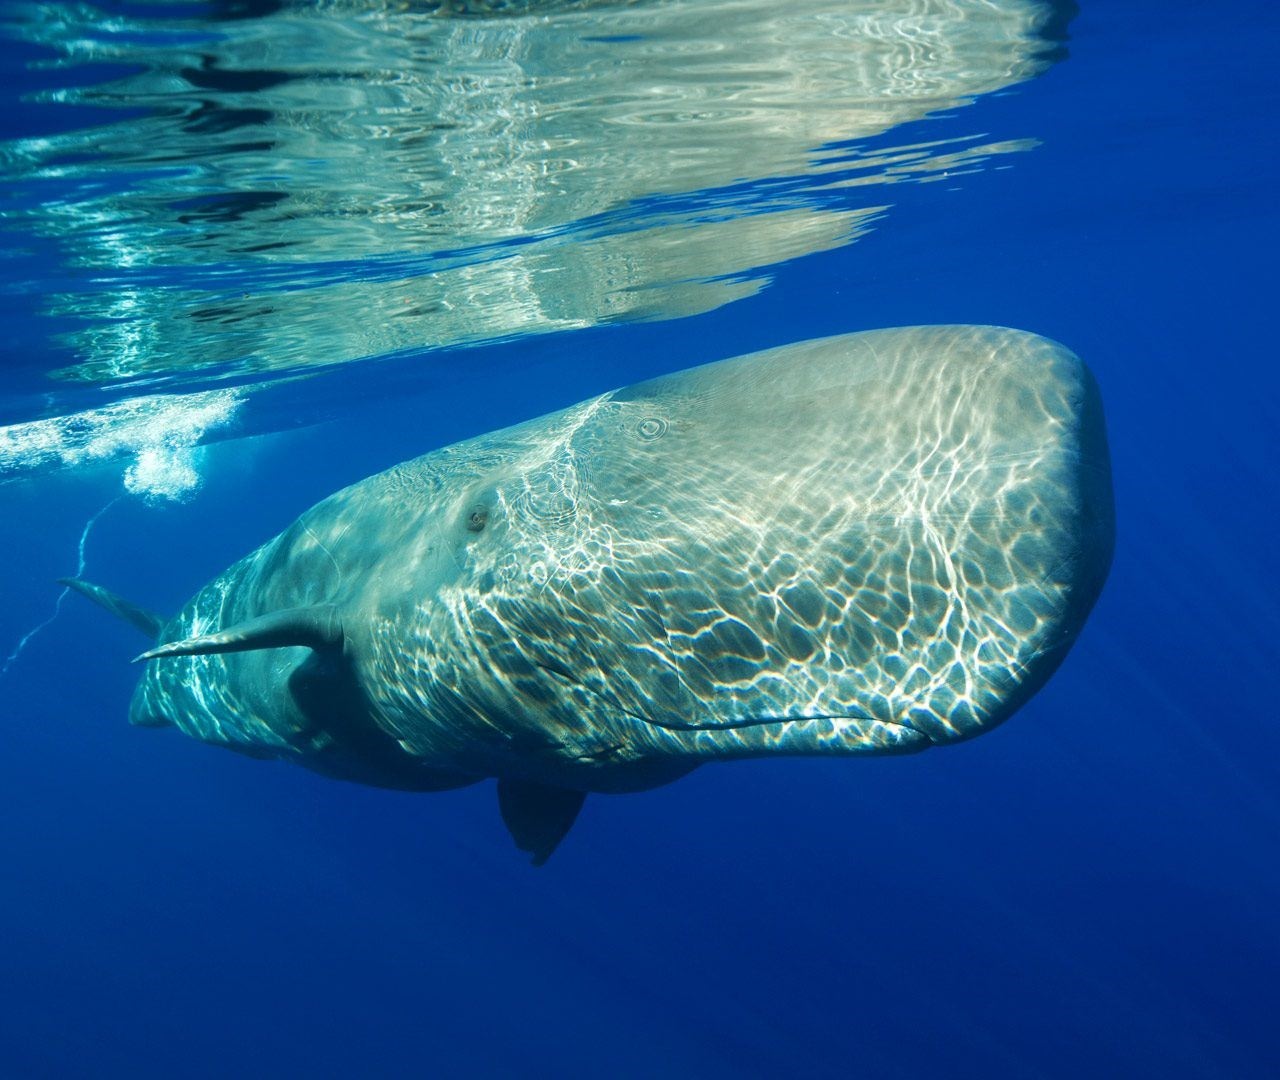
[(159, 432)]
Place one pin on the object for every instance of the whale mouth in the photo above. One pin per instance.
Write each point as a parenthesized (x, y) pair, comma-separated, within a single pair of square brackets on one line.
[(818, 733), (849, 731), (775, 722)]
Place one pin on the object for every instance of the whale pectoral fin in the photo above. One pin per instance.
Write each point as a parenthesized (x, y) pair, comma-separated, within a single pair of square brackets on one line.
[(148, 622), (316, 627), (538, 816)]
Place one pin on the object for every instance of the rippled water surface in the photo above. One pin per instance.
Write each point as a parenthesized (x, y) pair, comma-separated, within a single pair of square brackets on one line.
[(254, 250), (277, 187)]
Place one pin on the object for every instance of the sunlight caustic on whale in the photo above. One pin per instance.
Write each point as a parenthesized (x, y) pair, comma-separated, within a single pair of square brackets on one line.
[(866, 544)]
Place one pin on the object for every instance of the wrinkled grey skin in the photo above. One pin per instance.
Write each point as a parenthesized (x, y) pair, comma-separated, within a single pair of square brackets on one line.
[(865, 544)]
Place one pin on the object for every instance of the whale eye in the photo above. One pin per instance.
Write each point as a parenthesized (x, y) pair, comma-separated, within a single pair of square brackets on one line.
[(477, 518), (651, 427)]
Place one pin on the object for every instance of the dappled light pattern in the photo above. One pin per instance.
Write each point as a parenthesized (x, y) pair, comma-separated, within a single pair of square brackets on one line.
[(871, 543)]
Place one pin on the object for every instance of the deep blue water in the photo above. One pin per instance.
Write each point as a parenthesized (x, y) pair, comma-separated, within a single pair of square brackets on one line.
[(1091, 889)]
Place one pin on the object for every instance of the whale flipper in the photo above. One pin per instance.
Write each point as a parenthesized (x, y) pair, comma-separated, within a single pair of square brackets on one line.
[(317, 627), (537, 815), (146, 621)]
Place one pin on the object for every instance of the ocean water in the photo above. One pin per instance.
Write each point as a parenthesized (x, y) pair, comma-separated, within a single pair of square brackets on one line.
[(256, 251)]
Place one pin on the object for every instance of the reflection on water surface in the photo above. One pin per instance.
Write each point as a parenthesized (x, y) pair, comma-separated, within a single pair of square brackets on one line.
[(277, 186)]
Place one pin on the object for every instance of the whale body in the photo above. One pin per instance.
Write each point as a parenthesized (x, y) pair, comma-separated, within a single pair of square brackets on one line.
[(866, 544)]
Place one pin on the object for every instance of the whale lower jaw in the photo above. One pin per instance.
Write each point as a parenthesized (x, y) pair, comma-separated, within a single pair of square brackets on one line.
[(766, 736)]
